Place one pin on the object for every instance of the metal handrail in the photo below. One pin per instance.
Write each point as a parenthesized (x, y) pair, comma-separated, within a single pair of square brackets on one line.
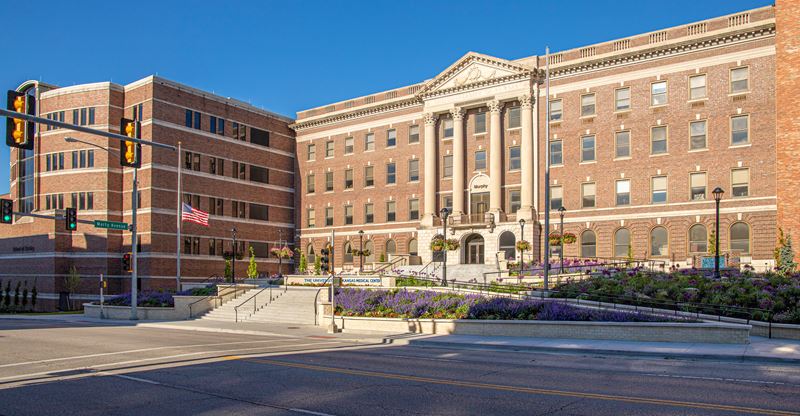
[(391, 264), (217, 297), (255, 299)]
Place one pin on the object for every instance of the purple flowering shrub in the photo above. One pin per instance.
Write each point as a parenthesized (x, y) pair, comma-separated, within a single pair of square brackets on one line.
[(430, 304), (152, 299)]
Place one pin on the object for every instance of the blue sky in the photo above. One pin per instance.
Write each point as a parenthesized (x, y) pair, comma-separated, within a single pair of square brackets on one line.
[(291, 55)]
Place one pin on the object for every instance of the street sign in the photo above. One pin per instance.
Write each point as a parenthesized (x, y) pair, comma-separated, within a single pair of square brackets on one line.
[(114, 225)]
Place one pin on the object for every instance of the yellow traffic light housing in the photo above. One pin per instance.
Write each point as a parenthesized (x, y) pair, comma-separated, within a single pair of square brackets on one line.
[(19, 133), (130, 153)]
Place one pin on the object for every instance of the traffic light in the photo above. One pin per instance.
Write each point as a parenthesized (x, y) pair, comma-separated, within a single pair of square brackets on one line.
[(7, 214), (325, 260), (71, 219), (130, 153), (19, 133), (126, 262)]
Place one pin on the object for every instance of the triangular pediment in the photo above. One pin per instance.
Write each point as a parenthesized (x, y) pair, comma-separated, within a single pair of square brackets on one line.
[(473, 69)]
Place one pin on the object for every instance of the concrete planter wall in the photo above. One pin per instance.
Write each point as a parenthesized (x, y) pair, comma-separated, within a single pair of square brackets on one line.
[(347, 280), (711, 332)]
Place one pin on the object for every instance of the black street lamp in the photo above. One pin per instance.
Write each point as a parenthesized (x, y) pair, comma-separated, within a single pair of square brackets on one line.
[(561, 212), (717, 196), (233, 258), (521, 252), (445, 213), (360, 251)]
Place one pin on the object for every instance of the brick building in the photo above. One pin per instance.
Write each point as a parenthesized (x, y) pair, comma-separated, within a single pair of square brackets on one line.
[(642, 129), (238, 165)]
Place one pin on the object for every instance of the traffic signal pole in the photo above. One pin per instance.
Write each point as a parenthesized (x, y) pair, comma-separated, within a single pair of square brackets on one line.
[(134, 247)]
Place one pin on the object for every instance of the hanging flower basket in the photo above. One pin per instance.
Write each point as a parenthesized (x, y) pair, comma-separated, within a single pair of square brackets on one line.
[(282, 252), (452, 244), (570, 238), (555, 240), (523, 245)]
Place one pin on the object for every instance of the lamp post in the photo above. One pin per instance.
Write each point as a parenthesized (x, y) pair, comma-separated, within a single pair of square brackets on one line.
[(717, 196), (360, 251), (233, 258), (561, 212), (445, 213), (521, 252)]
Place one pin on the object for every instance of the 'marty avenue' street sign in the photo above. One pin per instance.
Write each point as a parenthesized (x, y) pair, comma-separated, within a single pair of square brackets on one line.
[(111, 224)]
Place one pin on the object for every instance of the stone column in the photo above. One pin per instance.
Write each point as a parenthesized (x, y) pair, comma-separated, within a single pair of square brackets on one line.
[(526, 156), (495, 158), (458, 160), (430, 170)]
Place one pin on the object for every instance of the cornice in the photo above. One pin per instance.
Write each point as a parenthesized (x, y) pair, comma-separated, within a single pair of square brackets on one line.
[(379, 108), (661, 51), (446, 75)]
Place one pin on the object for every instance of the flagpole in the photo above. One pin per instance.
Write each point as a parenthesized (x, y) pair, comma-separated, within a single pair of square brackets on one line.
[(546, 277), (179, 222)]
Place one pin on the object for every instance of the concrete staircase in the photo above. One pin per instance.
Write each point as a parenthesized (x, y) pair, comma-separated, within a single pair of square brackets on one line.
[(295, 306), (226, 312)]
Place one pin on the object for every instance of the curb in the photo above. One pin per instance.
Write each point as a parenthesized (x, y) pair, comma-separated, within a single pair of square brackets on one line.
[(629, 353)]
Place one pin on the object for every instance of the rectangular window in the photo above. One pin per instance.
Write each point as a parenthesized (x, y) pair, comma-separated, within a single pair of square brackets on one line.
[(697, 132), (239, 131), (89, 159), (191, 161), (197, 120), (259, 174), (258, 136), (348, 214), (514, 201), (740, 182), (480, 122), (556, 153), (391, 138), (740, 130), (740, 80), (238, 209), (659, 189), (413, 209), (413, 134), (413, 170), (480, 160), (311, 153), (311, 220), (83, 116), (622, 99), (587, 148), (514, 117), (447, 166), (310, 185), (588, 192), (369, 142), (623, 192), (556, 197), (658, 140), (391, 211), (82, 159), (239, 170), (369, 214), (328, 181), (212, 124), (556, 110), (514, 161), (587, 105), (391, 173), (447, 127), (329, 216), (658, 93), (216, 166), (697, 186), (622, 144), (447, 202), (329, 149), (138, 112), (75, 117), (91, 115), (369, 177), (348, 179), (349, 145), (189, 118), (697, 87), (221, 127)]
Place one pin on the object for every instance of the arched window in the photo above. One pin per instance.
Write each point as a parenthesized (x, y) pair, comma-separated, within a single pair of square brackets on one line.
[(369, 246), (698, 239), (740, 238), (412, 247), (659, 242), (622, 241), (508, 244), (348, 252), (391, 248), (588, 244), (310, 253), (555, 250)]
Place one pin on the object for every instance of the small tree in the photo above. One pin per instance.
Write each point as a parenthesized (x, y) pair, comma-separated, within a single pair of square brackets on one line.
[(252, 268), (317, 265), (786, 263), (25, 295), (16, 295), (228, 270), (382, 258), (303, 263), (7, 295), (34, 296), (71, 283), (712, 243), (630, 254)]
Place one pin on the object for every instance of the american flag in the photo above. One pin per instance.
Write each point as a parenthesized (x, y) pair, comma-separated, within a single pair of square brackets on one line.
[(194, 215)]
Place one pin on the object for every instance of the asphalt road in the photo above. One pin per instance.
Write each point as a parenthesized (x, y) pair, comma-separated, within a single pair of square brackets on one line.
[(49, 368)]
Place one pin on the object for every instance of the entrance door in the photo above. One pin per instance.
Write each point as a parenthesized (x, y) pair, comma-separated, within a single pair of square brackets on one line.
[(479, 204), (474, 254)]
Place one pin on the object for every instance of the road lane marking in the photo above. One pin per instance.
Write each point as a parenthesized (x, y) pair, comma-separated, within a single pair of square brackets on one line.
[(141, 380), (735, 380), (51, 372), (529, 390), (105, 354)]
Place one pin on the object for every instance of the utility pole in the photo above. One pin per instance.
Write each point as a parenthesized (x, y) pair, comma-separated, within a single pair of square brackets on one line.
[(134, 246)]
